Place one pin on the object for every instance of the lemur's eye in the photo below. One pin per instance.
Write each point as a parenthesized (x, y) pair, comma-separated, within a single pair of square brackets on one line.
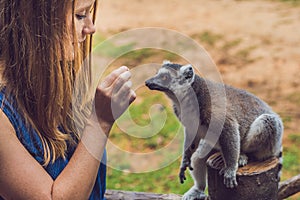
[(165, 77)]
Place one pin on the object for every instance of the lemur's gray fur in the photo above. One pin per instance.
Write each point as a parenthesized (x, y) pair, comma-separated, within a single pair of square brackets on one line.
[(251, 129)]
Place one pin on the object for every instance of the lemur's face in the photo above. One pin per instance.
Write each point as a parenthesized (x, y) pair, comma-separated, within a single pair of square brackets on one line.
[(171, 77)]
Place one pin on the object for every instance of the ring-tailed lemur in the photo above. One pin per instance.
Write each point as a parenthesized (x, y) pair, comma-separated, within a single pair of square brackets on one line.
[(250, 129)]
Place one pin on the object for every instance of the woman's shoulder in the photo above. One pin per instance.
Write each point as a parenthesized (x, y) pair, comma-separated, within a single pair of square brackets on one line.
[(8, 107), (6, 111), (6, 128)]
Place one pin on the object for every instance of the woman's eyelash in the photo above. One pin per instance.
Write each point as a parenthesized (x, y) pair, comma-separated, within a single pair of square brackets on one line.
[(80, 17)]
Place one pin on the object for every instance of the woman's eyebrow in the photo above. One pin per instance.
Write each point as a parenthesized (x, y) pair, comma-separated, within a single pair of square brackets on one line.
[(84, 7)]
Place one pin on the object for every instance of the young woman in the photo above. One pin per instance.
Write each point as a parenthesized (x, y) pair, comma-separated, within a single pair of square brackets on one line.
[(50, 144)]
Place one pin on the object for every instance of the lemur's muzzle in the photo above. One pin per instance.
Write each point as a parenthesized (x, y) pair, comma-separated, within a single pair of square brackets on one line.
[(153, 85), (149, 83)]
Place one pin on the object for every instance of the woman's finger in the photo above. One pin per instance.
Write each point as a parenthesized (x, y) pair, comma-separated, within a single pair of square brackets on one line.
[(121, 81), (123, 89), (121, 102), (111, 78), (122, 97)]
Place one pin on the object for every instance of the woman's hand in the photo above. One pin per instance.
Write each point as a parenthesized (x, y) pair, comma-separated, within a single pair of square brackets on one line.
[(113, 96)]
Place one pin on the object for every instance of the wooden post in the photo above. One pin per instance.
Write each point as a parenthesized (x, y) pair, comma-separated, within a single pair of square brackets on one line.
[(256, 180)]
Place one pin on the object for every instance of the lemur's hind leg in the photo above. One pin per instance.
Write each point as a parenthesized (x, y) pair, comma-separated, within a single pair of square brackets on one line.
[(264, 137), (198, 173), (230, 148), (199, 176)]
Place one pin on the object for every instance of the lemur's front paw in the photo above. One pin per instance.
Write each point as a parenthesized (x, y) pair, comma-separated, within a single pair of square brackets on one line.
[(182, 177), (243, 160), (186, 163), (193, 194), (229, 177)]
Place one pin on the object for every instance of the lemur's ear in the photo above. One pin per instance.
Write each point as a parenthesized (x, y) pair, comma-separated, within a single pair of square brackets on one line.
[(165, 62), (187, 71)]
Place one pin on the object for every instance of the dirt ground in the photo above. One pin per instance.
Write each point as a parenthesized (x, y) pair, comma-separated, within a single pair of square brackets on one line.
[(258, 47)]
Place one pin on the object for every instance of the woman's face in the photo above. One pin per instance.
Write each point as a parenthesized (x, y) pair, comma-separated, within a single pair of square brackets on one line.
[(83, 24), (83, 19)]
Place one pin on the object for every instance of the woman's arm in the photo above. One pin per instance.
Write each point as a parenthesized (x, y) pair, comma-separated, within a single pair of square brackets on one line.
[(22, 177)]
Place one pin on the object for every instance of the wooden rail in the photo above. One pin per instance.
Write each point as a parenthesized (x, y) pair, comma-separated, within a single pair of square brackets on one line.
[(127, 195)]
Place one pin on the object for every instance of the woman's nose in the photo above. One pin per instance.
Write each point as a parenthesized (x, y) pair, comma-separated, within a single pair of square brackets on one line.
[(89, 28)]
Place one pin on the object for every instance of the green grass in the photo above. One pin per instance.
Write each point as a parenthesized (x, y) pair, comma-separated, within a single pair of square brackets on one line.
[(291, 156), (294, 98), (208, 37), (244, 54), (291, 160), (295, 138), (164, 180), (293, 2), (147, 140), (231, 44)]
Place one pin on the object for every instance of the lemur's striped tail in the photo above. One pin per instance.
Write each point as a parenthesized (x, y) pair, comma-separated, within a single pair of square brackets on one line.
[(280, 157)]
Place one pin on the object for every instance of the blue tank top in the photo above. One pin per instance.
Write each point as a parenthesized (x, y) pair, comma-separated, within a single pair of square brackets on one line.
[(30, 140)]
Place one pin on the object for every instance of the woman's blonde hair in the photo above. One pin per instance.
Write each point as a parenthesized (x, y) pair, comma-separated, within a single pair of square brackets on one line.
[(35, 69)]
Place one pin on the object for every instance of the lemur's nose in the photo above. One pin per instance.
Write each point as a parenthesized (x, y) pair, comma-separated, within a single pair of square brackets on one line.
[(147, 82)]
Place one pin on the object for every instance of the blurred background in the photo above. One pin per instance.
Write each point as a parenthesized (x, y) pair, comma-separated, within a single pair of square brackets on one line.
[(255, 45)]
